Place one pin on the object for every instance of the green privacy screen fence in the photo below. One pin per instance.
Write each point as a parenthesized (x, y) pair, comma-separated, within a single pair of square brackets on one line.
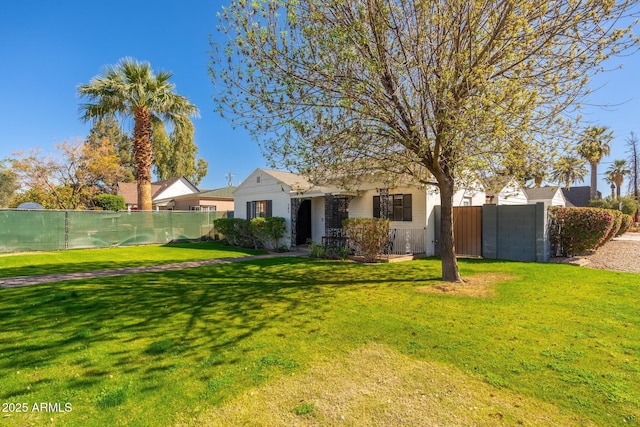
[(47, 230)]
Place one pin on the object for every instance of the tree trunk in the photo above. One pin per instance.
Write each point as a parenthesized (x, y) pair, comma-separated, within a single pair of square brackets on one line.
[(143, 156), (618, 181), (450, 271), (594, 181)]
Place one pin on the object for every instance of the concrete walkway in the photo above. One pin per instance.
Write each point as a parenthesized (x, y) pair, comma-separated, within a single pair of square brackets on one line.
[(628, 236), (14, 282)]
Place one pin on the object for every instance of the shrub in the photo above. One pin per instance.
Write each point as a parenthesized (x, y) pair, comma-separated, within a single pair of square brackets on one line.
[(252, 234), (336, 249), (315, 250), (627, 205), (615, 226), (367, 236), (627, 222), (268, 231), (237, 231), (109, 202), (580, 230)]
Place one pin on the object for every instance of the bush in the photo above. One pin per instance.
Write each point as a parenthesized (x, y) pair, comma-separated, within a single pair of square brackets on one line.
[(268, 231), (257, 232), (615, 226), (627, 222), (368, 237), (316, 250), (109, 202), (627, 205), (337, 249), (236, 231), (580, 230)]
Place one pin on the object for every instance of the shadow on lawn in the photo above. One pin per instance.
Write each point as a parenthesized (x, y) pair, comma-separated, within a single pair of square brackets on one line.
[(130, 261), (192, 313)]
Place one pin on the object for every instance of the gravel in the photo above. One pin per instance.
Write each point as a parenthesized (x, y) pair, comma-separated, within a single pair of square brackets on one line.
[(619, 254)]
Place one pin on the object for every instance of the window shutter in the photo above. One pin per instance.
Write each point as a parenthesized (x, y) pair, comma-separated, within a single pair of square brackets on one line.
[(376, 206), (406, 207), (269, 208), (248, 214)]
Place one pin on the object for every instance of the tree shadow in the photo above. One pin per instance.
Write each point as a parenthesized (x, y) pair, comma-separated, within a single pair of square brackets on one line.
[(216, 250), (140, 321)]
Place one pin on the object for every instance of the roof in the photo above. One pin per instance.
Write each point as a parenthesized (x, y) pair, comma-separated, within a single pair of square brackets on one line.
[(129, 190), (578, 196), (158, 186), (219, 192), (293, 180), (301, 185), (541, 193)]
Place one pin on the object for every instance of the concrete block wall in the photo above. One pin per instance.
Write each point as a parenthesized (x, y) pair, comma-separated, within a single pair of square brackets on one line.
[(517, 233)]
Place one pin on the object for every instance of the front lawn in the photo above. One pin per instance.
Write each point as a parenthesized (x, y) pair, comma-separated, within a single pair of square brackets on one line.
[(298, 341), (75, 260)]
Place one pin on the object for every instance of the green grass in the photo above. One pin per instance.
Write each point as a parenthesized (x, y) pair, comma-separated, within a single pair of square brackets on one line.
[(70, 261), (160, 348)]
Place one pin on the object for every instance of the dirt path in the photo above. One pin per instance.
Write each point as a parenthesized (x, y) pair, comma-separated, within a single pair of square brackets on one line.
[(13, 282)]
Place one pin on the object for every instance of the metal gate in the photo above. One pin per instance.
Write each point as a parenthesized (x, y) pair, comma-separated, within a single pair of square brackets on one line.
[(467, 229)]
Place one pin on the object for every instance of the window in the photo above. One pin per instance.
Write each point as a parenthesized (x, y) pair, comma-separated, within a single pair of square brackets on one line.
[(396, 207), (260, 208), (467, 201), (202, 208), (336, 209)]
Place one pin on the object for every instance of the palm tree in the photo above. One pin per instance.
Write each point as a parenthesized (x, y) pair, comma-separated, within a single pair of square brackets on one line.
[(568, 169), (617, 172), (609, 180), (593, 147), (131, 89)]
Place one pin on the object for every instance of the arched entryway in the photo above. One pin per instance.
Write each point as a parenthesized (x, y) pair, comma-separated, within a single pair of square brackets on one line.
[(303, 222)]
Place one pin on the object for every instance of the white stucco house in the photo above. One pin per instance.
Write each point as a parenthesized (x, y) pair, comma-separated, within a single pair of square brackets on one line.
[(550, 196), (506, 191), (162, 192), (179, 194), (316, 212)]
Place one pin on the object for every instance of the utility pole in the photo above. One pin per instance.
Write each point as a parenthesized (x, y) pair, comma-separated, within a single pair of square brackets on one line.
[(230, 176), (634, 160)]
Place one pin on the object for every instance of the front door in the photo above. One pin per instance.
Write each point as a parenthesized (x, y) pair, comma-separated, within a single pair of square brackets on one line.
[(303, 222)]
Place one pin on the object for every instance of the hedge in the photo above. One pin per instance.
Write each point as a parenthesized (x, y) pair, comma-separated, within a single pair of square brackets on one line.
[(627, 221), (236, 231), (268, 231), (255, 233), (615, 227), (578, 231)]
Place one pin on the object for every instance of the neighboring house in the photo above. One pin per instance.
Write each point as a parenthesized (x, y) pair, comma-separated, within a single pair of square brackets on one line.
[(220, 200), (550, 196), (163, 191), (316, 212), (504, 191), (578, 196)]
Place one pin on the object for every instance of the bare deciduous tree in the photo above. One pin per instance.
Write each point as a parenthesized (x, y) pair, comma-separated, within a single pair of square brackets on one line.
[(429, 89)]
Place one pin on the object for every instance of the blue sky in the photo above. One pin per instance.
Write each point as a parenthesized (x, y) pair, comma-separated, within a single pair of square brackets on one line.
[(48, 48)]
